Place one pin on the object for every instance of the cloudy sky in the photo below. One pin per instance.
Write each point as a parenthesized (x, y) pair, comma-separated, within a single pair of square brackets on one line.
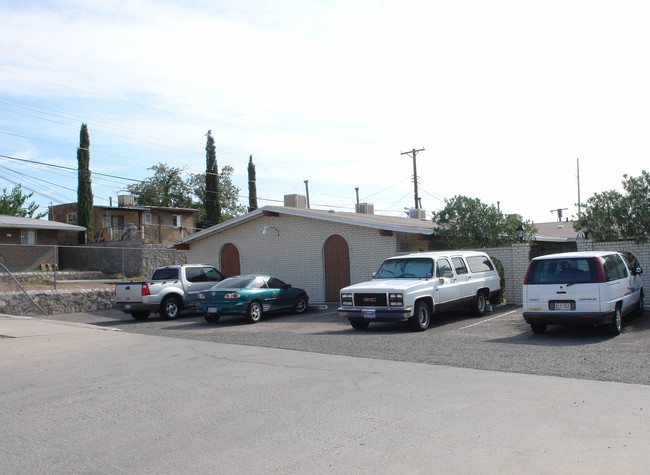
[(503, 96)]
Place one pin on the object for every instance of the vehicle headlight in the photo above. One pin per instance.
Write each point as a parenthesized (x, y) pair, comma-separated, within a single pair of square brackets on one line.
[(346, 299), (396, 300)]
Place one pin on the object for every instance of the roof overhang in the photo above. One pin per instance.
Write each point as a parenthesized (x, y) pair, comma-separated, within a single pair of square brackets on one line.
[(386, 226)]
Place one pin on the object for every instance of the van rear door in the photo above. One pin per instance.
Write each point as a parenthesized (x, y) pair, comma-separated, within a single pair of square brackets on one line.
[(562, 285)]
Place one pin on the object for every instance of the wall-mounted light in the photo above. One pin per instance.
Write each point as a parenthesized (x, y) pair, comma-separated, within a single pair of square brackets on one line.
[(520, 233), (268, 229)]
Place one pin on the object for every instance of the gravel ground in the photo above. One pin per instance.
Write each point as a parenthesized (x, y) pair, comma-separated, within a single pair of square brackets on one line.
[(498, 341)]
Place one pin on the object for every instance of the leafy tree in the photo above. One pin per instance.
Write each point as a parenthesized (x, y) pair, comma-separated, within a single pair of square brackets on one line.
[(467, 222), (13, 204), (85, 215), (211, 197), (228, 196), (612, 215), (252, 186), (165, 188)]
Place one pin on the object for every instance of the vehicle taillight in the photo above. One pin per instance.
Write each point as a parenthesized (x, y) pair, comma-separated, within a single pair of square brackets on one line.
[(232, 296), (527, 272), (601, 270), (145, 289)]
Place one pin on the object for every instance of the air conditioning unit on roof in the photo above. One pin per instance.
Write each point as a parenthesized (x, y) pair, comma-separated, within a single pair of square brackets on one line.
[(366, 208), (126, 201), (295, 201)]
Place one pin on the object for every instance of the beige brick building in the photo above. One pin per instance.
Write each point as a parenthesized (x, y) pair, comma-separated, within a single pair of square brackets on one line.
[(319, 251)]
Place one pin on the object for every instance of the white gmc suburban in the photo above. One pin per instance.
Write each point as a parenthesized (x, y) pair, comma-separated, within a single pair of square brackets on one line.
[(414, 286)]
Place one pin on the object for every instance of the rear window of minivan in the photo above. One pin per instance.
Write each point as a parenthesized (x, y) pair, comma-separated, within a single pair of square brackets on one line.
[(580, 270)]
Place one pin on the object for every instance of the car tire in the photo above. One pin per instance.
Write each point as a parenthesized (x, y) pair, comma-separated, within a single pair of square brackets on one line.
[(143, 315), (357, 325), (301, 305), (480, 304), (170, 308), (538, 328), (254, 312), (421, 318), (614, 328), (211, 317)]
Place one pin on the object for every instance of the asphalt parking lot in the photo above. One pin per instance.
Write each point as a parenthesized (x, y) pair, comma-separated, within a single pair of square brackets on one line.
[(500, 341)]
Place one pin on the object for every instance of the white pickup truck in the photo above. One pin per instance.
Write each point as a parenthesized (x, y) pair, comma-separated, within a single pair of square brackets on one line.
[(170, 290), (414, 286)]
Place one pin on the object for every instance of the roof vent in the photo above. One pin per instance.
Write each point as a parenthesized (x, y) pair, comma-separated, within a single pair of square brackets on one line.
[(295, 201)]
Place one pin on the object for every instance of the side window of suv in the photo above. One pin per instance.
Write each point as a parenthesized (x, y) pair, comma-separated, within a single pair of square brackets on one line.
[(442, 266), (459, 265)]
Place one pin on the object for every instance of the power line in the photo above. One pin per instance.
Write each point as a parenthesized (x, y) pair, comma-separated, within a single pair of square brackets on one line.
[(68, 168)]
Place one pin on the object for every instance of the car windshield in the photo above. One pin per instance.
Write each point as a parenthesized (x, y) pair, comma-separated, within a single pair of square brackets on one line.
[(410, 268), (238, 282), (563, 271)]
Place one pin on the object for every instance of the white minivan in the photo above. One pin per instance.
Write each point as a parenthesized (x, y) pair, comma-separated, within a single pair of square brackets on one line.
[(585, 288)]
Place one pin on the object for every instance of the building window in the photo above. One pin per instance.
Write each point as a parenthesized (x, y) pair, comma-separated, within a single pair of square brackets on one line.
[(177, 221), (147, 219), (72, 217), (28, 236)]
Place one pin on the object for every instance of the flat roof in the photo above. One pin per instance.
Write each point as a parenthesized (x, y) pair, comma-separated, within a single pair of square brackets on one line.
[(7, 221)]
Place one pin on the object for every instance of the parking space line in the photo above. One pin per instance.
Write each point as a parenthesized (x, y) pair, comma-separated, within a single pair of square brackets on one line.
[(493, 318)]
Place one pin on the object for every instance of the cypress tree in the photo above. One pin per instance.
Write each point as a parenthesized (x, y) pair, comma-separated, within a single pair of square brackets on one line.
[(211, 203), (252, 186), (85, 215)]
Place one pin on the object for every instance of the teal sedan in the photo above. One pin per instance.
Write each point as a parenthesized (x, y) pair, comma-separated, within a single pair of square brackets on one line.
[(251, 296)]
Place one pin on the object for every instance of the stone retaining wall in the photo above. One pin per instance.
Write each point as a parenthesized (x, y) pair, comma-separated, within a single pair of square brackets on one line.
[(57, 301), (60, 275)]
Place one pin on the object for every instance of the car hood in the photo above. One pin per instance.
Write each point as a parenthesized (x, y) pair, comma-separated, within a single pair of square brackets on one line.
[(386, 285)]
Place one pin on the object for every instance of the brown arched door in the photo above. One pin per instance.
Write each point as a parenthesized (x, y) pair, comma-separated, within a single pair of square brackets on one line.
[(336, 256), (230, 260)]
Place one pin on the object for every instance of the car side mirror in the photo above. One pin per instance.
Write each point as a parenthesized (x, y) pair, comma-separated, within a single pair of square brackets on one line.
[(638, 271)]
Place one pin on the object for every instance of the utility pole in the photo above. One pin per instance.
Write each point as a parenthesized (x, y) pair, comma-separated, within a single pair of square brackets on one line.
[(413, 153), (578, 164)]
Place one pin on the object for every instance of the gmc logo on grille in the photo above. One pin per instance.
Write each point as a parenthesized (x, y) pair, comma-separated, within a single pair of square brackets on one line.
[(369, 300)]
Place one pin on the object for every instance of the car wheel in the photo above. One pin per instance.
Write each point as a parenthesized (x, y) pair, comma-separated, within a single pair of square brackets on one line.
[(254, 312), (421, 318), (140, 315), (211, 317), (617, 322), (170, 308), (538, 328), (480, 304), (357, 325), (301, 304)]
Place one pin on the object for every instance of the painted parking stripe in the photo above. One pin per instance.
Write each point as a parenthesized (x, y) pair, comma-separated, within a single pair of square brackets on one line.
[(489, 319)]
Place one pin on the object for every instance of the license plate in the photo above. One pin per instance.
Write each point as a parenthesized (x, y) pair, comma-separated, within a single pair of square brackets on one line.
[(562, 305), (212, 310), (127, 306), (368, 314)]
